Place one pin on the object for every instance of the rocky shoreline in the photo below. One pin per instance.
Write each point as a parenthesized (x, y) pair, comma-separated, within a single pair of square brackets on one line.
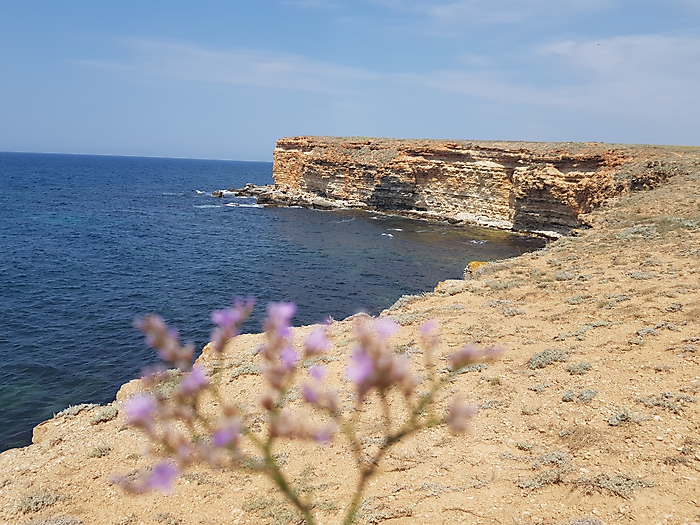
[(535, 188)]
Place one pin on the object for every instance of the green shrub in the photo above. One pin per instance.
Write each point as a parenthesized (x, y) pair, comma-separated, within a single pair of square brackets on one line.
[(625, 415), (106, 414), (99, 452), (547, 357), (541, 479), (578, 368), (246, 370), (586, 394), (38, 500), (620, 485)]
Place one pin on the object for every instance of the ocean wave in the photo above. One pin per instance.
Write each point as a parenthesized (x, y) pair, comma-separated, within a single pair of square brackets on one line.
[(388, 234), (240, 205), (200, 192), (474, 241), (208, 206)]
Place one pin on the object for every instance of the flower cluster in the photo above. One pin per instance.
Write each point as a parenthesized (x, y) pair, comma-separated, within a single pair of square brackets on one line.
[(228, 322), (281, 360), (171, 414), (374, 364), (473, 353), (165, 341)]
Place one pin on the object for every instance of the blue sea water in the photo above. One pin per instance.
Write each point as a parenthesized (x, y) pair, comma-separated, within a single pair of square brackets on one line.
[(89, 242)]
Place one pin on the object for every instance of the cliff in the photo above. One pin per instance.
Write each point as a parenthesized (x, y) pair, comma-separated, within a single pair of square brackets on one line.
[(523, 186)]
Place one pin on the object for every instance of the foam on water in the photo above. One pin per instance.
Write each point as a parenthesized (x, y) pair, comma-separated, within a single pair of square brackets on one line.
[(242, 205)]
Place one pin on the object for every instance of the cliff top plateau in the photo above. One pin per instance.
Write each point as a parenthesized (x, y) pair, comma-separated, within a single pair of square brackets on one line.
[(543, 188)]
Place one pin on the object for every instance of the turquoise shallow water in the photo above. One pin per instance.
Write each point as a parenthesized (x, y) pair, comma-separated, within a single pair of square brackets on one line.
[(90, 242)]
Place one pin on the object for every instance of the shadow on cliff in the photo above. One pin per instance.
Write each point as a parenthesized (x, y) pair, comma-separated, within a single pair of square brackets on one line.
[(540, 213), (393, 194)]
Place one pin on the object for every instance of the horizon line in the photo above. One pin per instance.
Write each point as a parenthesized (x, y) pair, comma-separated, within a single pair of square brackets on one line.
[(134, 156)]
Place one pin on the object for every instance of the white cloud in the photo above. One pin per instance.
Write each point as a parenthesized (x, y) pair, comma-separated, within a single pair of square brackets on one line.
[(312, 4), (186, 61), (676, 56), (624, 76), (473, 12), (644, 73)]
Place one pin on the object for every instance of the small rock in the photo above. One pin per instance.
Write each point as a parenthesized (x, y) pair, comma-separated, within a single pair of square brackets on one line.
[(320, 202)]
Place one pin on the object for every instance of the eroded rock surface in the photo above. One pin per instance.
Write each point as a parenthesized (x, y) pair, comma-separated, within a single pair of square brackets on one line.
[(523, 186)]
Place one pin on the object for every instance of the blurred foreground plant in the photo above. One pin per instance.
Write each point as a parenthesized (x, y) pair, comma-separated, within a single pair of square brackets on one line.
[(175, 421)]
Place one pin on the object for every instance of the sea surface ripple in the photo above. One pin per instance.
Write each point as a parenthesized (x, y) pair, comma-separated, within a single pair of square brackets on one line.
[(87, 243)]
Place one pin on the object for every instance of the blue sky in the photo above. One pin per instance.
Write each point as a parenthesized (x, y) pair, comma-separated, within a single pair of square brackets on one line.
[(226, 79)]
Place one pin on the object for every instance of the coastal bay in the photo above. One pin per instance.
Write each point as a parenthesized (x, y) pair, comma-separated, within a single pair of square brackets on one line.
[(90, 242)]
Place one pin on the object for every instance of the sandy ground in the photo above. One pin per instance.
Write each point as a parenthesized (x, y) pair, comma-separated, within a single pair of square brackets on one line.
[(607, 432)]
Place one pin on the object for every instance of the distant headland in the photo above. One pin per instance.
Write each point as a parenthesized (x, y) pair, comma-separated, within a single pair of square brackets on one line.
[(531, 187)]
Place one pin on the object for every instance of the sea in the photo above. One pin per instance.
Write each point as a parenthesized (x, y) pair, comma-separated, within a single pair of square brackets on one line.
[(88, 243)]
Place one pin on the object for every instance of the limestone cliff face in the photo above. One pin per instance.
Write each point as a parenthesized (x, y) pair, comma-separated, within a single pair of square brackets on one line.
[(535, 187)]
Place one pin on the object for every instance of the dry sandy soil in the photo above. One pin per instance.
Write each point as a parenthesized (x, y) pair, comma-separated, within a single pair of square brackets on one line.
[(591, 416)]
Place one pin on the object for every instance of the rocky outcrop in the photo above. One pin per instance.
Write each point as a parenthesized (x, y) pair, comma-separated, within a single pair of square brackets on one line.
[(523, 186)]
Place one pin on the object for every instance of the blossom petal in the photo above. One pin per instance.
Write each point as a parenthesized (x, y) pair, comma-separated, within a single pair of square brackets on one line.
[(360, 368), (163, 476)]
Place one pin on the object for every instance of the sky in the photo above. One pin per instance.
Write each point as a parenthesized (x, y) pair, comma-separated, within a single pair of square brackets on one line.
[(226, 79)]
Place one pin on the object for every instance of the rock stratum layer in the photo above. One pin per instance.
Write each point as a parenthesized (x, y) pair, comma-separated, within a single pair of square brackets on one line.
[(521, 186)]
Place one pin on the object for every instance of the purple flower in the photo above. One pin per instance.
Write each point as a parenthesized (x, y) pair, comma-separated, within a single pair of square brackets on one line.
[(324, 435), (318, 372), (360, 368), (309, 393), (140, 410), (226, 318), (317, 342), (228, 321), (155, 329), (466, 356), (385, 327), (428, 328), (227, 435), (193, 382), (278, 317), (492, 352), (289, 357), (185, 451), (399, 368), (459, 416), (162, 476), (218, 337)]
